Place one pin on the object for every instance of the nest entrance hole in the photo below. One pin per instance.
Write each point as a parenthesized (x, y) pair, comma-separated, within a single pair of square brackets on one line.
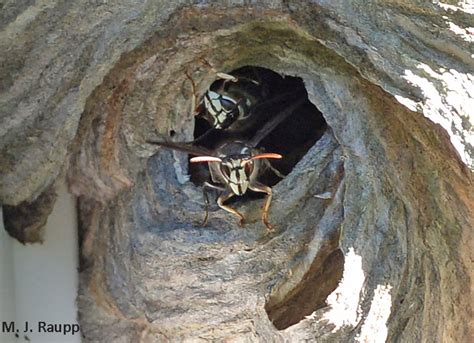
[(292, 138)]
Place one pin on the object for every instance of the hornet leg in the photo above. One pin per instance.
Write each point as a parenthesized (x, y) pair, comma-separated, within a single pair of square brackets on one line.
[(258, 187), (273, 169), (224, 197), (224, 76), (206, 199), (195, 100)]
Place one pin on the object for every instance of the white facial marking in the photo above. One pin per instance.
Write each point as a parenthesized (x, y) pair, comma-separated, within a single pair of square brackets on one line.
[(238, 180)]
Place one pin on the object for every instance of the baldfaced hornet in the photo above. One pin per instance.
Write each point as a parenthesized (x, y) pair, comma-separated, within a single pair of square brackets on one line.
[(236, 165), (230, 98), (229, 103), (236, 103)]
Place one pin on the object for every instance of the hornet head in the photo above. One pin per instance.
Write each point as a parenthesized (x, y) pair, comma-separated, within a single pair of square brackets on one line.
[(236, 169)]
